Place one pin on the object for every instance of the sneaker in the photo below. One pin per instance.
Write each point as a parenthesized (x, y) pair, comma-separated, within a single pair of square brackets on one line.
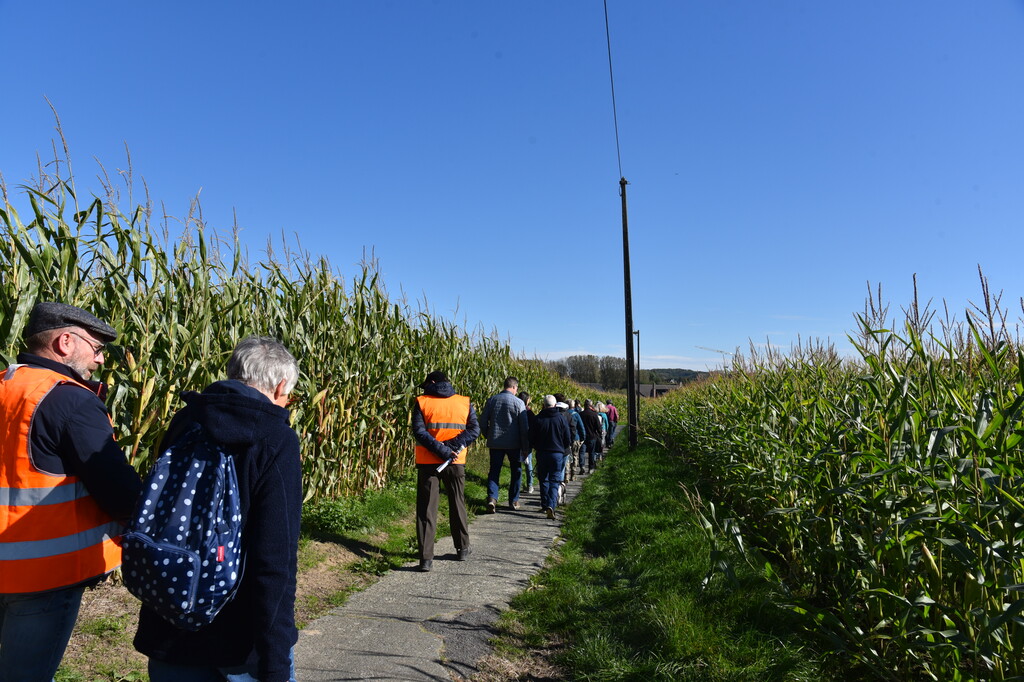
[(492, 505), (530, 491), (513, 505), (550, 512), (464, 553), (425, 565)]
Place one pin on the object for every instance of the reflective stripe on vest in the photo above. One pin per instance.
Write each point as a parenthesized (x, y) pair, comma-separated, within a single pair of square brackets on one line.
[(34, 497), (40, 549), (445, 425), (52, 532), (444, 418)]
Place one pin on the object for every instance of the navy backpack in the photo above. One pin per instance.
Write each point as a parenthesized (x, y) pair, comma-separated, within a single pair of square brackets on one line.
[(182, 552)]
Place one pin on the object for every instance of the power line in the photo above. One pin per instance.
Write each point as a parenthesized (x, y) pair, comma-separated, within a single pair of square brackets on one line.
[(611, 77)]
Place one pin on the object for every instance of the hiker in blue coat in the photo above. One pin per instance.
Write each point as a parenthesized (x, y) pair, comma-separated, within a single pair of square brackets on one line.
[(253, 636)]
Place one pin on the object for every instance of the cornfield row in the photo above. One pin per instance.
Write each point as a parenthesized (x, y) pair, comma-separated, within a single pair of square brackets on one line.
[(885, 493), (180, 308)]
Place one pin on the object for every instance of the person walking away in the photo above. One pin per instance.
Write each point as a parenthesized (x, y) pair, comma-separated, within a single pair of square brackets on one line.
[(444, 424), (613, 419), (66, 485), (576, 432), (527, 454), (504, 424), (602, 412), (253, 636), (592, 426), (550, 438)]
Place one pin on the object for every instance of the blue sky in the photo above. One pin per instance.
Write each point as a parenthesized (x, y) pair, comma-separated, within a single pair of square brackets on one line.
[(780, 155)]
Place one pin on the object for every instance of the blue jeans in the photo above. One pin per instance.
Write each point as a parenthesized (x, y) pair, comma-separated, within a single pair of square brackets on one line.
[(162, 671), (34, 631), (528, 469), (498, 461), (550, 471)]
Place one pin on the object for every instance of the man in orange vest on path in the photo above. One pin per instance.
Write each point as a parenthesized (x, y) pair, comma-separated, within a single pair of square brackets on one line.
[(65, 487), (444, 424)]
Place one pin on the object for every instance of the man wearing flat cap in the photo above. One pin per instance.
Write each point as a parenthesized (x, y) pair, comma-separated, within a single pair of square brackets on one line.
[(65, 487), (444, 424)]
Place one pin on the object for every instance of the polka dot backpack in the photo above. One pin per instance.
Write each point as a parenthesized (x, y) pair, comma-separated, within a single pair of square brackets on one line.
[(182, 552)]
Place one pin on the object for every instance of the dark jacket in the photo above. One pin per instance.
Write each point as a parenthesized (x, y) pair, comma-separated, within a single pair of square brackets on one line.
[(72, 435), (443, 389), (550, 431), (259, 624), (592, 423)]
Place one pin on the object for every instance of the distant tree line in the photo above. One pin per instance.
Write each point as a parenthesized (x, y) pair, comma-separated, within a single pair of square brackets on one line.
[(610, 372)]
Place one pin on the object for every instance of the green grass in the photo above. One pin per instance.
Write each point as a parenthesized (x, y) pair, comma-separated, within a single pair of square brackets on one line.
[(623, 592)]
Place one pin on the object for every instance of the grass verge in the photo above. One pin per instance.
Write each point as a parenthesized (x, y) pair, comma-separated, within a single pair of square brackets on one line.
[(621, 598)]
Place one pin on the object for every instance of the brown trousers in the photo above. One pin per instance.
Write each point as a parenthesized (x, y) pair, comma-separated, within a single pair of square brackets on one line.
[(427, 492)]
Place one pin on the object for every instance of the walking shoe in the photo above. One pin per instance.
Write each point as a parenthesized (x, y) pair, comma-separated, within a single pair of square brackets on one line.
[(550, 512), (513, 505), (464, 553), (492, 505), (530, 491), (425, 565)]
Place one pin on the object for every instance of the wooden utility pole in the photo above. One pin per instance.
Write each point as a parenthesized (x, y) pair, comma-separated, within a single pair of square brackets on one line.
[(634, 407)]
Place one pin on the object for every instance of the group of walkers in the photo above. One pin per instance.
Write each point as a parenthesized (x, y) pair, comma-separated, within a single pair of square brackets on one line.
[(591, 431), (67, 491), (568, 439)]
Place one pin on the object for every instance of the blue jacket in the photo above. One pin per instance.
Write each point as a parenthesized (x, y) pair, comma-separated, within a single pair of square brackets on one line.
[(504, 423), (260, 622), (576, 429)]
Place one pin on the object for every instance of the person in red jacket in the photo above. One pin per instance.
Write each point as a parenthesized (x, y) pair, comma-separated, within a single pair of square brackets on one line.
[(613, 417), (66, 487)]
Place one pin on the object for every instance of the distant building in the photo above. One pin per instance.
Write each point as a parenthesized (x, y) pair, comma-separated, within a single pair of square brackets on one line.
[(655, 390)]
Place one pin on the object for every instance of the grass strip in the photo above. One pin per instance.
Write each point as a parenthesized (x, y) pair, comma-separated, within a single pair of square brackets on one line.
[(621, 598)]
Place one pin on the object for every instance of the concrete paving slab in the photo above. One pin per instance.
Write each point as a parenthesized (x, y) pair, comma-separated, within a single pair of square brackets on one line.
[(414, 626)]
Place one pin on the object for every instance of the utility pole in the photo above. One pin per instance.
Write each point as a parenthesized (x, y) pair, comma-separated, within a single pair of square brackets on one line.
[(634, 420)]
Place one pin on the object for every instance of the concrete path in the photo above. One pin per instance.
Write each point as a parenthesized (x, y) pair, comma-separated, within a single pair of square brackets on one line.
[(433, 626)]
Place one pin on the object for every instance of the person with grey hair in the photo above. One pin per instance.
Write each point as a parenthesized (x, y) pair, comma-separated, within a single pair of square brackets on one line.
[(66, 484), (254, 634), (550, 437)]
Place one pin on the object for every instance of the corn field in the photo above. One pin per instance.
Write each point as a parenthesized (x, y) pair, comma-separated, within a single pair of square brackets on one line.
[(181, 305), (885, 492)]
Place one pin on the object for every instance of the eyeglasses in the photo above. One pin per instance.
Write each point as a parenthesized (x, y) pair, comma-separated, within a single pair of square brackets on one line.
[(96, 350)]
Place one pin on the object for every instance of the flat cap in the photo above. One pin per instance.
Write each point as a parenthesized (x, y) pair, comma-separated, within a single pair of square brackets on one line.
[(50, 315)]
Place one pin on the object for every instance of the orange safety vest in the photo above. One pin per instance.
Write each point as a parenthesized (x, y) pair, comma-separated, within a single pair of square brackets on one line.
[(52, 532), (444, 418)]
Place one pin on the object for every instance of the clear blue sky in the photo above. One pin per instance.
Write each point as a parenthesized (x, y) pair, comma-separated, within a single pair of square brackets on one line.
[(780, 154)]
